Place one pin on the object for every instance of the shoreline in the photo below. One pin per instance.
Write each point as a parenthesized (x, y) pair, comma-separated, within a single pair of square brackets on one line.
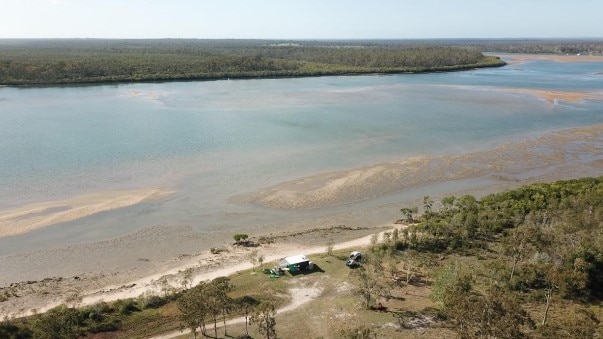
[(206, 265)]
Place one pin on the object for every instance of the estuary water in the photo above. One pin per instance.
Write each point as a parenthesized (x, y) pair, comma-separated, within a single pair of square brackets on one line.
[(213, 141)]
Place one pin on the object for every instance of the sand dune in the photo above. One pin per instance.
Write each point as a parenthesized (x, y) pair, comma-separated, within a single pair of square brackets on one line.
[(34, 216)]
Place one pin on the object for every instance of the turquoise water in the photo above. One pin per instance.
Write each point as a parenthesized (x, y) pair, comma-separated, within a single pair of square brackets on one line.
[(212, 140)]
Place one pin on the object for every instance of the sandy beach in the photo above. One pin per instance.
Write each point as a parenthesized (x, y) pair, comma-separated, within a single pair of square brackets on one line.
[(206, 266), (550, 57)]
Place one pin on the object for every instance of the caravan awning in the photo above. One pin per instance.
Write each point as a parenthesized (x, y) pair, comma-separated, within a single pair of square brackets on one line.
[(292, 260)]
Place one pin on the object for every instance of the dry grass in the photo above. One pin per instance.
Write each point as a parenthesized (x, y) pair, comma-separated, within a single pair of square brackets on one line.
[(339, 307)]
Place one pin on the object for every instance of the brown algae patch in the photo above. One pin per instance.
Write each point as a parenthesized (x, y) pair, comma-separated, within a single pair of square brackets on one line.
[(34, 216), (506, 161), (553, 96), (549, 96)]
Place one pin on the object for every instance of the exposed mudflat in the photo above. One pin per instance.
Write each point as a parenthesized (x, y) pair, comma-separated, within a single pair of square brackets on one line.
[(512, 161)]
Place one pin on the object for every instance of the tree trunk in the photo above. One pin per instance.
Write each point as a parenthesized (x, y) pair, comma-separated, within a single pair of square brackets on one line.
[(224, 319), (246, 330), (215, 327), (515, 261), (548, 295)]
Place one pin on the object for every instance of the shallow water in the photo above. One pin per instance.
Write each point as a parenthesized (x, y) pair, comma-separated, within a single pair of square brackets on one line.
[(214, 140)]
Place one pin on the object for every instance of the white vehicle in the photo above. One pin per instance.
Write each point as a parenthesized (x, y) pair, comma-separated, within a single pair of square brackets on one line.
[(354, 259)]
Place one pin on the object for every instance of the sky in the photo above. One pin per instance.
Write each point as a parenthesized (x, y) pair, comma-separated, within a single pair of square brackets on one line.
[(301, 19)]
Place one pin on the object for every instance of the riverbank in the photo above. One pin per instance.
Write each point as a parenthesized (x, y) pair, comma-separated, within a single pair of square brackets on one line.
[(28, 297)]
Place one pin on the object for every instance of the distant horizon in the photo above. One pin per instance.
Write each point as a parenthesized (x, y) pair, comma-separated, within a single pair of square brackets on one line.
[(300, 20), (324, 39)]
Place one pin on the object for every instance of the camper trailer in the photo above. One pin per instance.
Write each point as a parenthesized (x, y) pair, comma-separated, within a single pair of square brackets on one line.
[(295, 264)]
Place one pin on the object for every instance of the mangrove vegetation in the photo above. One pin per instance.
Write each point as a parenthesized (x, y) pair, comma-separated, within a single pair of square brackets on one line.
[(43, 62)]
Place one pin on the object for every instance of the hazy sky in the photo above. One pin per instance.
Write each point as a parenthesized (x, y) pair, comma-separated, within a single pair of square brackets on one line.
[(300, 19)]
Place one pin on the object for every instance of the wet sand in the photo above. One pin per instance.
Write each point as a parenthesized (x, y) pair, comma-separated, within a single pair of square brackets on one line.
[(571, 147), (35, 216), (513, 58)]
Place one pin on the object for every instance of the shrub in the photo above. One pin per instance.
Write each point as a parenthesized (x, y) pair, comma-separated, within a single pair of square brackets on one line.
[(125, 306), (240, 237), (149, 300)]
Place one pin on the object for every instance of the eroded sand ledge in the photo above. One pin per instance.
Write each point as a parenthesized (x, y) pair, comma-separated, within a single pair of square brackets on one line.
[(579, 145), (35, 216)]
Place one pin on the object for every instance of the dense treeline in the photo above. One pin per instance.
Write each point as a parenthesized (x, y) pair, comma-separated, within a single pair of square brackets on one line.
[(543, 243), (593, 47), (27, 62)]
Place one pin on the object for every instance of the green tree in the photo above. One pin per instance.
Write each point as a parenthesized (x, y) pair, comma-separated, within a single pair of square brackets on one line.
[(223, 286), (193, 308), (264, 317), (187, 278), (10, 330), (370, 283), (240, 237), (496, 314), (254, 256), (409, 213), (246, 304)]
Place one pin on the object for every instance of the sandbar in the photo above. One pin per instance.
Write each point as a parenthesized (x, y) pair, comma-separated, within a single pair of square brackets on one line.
[(553, 96), (551, 57), (38, 215), (550, 96)]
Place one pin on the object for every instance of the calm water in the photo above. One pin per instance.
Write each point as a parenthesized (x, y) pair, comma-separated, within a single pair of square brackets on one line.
[(212, 140)]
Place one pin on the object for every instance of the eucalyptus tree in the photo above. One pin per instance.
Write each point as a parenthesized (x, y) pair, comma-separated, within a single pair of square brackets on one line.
[(247, 305), (264, 317)]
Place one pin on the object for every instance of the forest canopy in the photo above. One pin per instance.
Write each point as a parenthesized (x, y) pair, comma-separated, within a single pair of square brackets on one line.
[(65, 61)]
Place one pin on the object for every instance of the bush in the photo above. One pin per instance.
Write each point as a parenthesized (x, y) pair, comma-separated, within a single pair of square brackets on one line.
[(95, 312), (240, 237), (125, 306), (106, 326), (11, 330), (215, 250), (148, 300)]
